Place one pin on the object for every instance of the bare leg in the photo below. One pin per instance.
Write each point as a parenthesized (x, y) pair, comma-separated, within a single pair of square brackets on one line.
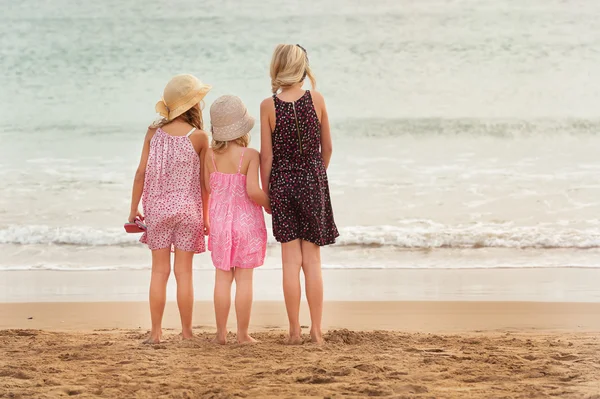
[(185, 290), (311, 265), (291, 254), (243, 304), (161, 268), (222, 300)]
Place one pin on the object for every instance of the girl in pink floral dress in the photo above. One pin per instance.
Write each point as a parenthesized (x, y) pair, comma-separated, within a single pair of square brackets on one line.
[(238, 236), (169, 182)]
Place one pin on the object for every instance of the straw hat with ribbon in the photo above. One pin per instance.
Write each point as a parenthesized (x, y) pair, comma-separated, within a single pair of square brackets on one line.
[(229, 118), (181, 93)]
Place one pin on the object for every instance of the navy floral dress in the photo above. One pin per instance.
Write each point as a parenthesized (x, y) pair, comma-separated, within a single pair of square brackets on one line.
[(298, 186)]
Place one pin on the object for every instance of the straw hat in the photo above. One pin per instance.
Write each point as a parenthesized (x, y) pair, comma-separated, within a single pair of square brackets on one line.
[(181, 93), (229, 118)]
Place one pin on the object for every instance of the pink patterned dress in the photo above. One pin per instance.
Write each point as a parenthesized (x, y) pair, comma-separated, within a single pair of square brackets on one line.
[(238, 235), (172, 197)]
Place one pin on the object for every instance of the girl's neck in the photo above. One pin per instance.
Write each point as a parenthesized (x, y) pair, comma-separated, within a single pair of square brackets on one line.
[(294, 87), (232, 145)]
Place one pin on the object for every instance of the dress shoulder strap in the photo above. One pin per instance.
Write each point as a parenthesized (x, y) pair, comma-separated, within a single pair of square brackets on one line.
[(190, 132), (212, 155), (241, 159)]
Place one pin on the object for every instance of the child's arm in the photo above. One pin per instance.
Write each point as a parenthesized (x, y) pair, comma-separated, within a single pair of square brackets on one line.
[(326, 142), (266, 145), (206, 165), (204, 186), (140, 176), (254, 192)]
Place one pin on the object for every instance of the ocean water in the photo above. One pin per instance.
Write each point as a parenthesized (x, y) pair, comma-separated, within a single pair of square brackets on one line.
[(466, 133)]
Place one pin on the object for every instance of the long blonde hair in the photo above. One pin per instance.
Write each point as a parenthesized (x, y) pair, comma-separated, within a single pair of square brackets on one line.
[(289, 66), (192, 116)]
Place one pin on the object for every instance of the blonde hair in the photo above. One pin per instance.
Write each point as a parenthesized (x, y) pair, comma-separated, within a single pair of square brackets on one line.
[(221, 146), (192, 116), (289, 66)]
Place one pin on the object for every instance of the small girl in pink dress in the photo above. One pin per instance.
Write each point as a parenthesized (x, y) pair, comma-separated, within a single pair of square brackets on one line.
[(169, 182), (238, 236)]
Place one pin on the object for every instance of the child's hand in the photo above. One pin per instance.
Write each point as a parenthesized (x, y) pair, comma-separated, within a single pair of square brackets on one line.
[(268, 210), (135, 214), (206, 228)]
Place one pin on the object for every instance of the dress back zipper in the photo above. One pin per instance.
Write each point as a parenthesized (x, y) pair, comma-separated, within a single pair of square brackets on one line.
[(297, 127)]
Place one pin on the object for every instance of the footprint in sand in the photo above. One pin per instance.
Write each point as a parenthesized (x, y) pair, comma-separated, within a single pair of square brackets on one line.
[(316, 379), (283, 370), (473, 380), (434, 350), (341, 372), (347, 358), (412, 350), (51, 383), (568, 378), (373, 389), (108, 370), (413, 389), (20, 375), (26, 333), (73, 391), (396, 375), (565, 357), (66, 356), (369, 368)]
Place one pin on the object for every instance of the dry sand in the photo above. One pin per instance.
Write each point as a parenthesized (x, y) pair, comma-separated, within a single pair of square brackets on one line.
[(114, 364), (478, 350)]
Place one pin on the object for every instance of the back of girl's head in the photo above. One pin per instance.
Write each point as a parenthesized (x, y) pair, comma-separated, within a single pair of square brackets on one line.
[(192, 116), (290, 66), (221, 146)]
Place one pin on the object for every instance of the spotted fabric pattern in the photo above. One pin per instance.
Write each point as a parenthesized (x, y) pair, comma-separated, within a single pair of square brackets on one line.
[(238, 235), (298, 185), (172, 197)]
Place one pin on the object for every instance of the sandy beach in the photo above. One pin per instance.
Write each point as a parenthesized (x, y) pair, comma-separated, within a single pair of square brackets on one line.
[(385, 349)]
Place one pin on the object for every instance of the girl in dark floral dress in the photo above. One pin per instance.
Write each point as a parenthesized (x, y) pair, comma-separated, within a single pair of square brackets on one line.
[(296, 149)]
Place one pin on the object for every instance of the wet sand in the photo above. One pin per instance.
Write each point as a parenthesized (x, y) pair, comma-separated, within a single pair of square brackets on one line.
[(422, 316), (566, 284)]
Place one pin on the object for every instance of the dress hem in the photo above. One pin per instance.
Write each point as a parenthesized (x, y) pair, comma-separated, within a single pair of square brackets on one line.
[(323, 244), (238, 267), (173, 248)]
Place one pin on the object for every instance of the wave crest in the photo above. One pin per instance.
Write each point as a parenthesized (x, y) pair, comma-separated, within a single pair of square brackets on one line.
[(413, 235)]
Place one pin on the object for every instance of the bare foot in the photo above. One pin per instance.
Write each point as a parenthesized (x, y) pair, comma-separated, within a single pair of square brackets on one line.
[(316, 337), (220, 339), (187, 334), (294, 340), (245, 339), (154, 338)]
